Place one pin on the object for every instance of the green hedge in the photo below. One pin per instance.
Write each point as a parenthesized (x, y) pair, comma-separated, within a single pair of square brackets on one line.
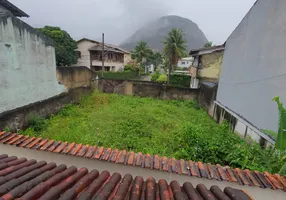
[(119, 75), (180, 80)]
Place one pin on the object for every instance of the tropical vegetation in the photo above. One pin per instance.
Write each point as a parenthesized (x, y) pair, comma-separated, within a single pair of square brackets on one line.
[(179, 129), (208, 44), (65, 46), (174, 48), (141, 52)]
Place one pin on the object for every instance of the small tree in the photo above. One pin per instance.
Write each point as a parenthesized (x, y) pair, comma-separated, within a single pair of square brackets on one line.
[(155, 59), (141, 53), (174, 48), (208, 44), (64, 45)]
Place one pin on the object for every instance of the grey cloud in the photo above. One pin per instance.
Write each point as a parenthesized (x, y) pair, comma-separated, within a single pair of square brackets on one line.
[(118, 19)]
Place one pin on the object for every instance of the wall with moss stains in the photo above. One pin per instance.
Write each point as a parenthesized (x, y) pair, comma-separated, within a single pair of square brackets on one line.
[(211, 65)]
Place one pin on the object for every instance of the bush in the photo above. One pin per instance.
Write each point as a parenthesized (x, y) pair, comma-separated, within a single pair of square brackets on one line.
[(36, 122), (155, 76), (131, 66), (162, 78), (126, 75), (180, 80)]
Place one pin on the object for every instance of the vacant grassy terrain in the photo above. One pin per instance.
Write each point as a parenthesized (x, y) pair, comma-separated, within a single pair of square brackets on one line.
[(177, 129)]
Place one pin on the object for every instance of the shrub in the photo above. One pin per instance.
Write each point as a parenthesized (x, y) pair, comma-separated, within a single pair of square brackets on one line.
[(36, 122), (131, 66), (180, 80), (126, 75), (155, 76), (162, 78)]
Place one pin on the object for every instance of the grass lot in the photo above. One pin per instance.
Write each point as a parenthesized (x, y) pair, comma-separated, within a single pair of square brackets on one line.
[(177, 129)]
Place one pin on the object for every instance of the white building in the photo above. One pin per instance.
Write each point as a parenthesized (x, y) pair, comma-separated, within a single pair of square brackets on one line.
[(90, 55), (27, 61), (185, 62)]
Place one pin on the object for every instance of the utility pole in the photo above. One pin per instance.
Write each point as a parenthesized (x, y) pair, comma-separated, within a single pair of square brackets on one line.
[(102, 70), (169, 72)]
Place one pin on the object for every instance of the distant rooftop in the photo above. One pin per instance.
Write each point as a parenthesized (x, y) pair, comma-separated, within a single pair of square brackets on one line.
[(13, 9), (109, 47), (207, 50)]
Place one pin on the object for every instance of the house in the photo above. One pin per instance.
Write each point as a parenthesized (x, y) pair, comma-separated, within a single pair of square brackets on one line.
[(124, 175), (253, 70), (27, 61), (206, 65), (90, 55), (185, 63)]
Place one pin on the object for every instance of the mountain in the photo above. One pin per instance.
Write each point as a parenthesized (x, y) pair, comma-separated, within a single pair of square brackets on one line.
[(154, 33)]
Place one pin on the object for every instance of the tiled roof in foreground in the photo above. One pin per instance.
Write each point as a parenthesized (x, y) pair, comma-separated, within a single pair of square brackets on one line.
[(28, 179), (182, 167)]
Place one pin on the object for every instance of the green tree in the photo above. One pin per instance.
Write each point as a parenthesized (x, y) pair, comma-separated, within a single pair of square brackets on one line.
[(174, 48), (64, 45), (141, 52), (208, 44), (155, 58)]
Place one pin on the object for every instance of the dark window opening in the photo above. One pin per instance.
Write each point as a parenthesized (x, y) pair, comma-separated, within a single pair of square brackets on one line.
[(78, 54)]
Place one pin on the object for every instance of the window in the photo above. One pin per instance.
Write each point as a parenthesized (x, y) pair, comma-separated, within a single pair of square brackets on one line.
[(183, 63), (113, 68), (78, 54)]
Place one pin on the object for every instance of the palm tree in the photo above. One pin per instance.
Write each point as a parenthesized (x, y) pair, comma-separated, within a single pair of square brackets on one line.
[(208, 44), (174, 48), (141, 52)]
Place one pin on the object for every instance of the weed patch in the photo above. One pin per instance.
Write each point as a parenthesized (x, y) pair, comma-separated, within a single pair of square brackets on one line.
[(179, 129)]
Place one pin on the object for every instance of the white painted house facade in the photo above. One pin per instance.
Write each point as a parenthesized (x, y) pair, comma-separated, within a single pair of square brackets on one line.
[(185, 62), (90, 55)]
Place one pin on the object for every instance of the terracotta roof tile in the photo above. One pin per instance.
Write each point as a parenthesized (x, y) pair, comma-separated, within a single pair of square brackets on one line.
[(188, 168), (44, 181), (89, 152), (68, 148), (60, 147), (35, 142), (82, 151), (98, 153), (106, 154), (131, 159)]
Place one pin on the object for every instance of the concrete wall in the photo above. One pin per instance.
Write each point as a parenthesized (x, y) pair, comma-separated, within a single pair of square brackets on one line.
[(83, 47), (211, 65), (74, 77), (147, 89), (18, 118), (27, 65), (253, 69)]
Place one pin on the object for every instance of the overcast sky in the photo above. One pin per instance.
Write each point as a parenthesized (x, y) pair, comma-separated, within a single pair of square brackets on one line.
[(119, 19)]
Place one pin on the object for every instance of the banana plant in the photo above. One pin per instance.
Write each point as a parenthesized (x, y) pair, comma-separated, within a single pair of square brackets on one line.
[(281, 137)]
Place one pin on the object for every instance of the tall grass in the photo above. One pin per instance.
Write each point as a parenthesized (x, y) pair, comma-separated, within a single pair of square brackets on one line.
[(179, 129)]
